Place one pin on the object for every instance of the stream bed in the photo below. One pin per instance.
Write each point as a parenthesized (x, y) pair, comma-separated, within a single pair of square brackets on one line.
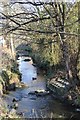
[(33, 106)]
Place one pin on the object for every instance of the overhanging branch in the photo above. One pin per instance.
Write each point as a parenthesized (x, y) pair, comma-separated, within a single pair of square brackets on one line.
[(47, 32)]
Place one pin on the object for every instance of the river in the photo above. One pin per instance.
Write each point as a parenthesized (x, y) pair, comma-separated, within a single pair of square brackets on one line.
[(33, 106)]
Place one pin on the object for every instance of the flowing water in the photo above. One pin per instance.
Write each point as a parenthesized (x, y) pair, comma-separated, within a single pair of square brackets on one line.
[(33, 106)]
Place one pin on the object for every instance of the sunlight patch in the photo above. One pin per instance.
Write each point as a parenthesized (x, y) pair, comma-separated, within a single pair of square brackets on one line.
[(4, 1)]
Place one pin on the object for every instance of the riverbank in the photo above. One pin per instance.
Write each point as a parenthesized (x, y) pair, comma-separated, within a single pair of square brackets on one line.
[(61, 88), (6, 113), (35, 101), (10, 79)]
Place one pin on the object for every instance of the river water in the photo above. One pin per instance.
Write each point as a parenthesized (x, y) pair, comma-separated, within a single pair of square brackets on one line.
[(33, 106)]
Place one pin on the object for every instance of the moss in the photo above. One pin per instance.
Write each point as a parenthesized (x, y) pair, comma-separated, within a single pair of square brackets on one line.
[(5, 76), (78, 100), (1, 79), (8, 81), (14, 78)]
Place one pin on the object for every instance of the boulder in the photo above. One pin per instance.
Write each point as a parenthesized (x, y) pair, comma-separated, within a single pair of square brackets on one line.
[(12, 86), (33, 78), (39, 93)]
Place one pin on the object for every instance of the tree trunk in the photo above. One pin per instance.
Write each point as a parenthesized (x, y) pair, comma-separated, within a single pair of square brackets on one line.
[(12, 47), (64, 47), (73, 66), (75, 57)]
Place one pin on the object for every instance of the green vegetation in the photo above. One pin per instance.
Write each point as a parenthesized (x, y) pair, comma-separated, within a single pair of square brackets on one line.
[(9, 80), (49, 52)]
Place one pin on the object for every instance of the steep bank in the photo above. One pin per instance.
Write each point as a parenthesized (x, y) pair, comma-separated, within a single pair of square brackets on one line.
[(63, 90), (56, 82), (9, 80)]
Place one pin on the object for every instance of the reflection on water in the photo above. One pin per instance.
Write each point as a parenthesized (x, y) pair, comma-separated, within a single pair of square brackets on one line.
[(37, 106), (28, 71)]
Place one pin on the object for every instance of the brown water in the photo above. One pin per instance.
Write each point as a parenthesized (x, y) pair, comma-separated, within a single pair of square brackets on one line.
[(37, 106)]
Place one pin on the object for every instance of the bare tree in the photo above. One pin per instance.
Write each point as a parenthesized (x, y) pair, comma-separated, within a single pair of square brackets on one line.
[(25, 14)]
